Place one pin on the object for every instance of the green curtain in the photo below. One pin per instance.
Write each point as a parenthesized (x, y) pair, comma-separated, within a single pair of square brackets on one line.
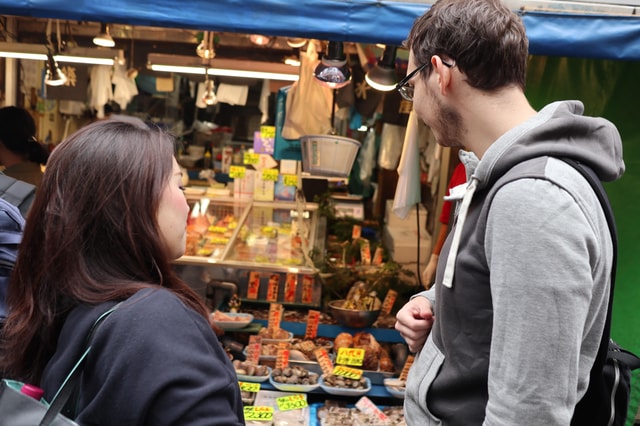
[(609, 89)]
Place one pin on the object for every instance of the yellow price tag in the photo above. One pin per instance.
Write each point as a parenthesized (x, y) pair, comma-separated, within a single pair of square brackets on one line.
[(267, 132), (217, 229), (251, 158), (350, 356), (237, 172), (249, 387), (270, 174), (291, 402), (258, 413), (348, 372), (290, 180)]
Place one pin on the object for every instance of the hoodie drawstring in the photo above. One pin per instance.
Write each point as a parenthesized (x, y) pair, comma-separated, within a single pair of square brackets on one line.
[(447, 279)]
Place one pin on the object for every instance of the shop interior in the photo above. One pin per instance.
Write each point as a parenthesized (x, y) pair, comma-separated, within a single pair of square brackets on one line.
[(273, 255)]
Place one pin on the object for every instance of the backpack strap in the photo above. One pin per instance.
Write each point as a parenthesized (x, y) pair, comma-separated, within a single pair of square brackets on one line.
[(584, 408), (72, 381)]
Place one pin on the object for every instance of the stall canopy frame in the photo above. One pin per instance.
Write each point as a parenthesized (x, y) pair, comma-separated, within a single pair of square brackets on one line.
[(601, 30)]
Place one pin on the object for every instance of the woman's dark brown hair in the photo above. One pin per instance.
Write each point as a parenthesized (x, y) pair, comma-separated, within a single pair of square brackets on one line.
[(91, 236)]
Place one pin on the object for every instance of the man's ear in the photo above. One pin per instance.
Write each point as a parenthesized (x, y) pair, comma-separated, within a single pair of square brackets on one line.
[(444, 74)]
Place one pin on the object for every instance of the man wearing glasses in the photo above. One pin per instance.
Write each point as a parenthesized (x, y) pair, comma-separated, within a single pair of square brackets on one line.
[(510, 330)]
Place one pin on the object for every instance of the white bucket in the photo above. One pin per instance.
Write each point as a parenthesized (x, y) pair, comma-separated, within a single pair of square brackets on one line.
[(328, 155)]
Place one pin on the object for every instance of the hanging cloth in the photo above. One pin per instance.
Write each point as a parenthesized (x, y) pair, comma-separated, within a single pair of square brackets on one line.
[(124, 87), (100, 91), (408, 188)]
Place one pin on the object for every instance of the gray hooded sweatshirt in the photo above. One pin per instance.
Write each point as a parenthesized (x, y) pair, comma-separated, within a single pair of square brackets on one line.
[(523, 280)]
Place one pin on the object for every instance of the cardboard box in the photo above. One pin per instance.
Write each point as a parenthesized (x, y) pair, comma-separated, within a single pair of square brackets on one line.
[(402, 244), (394, 221)]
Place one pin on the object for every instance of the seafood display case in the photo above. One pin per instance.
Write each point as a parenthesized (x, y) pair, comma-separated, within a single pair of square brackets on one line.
[(263, 252), (258, 251)]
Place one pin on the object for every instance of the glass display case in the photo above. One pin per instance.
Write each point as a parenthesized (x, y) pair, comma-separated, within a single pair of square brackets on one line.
[(261, 251)]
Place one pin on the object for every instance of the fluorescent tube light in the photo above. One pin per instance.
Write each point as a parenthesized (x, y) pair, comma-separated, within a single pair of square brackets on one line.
[(84, 60), (222, 67), (77, 55)]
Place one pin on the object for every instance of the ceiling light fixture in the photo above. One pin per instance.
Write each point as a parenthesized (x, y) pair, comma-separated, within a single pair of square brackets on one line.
[(54, 76), (209, 97), (333, 71), (296, 42), (104, 39), (383, 75), (260, 40), (221, 67), (77, 55)]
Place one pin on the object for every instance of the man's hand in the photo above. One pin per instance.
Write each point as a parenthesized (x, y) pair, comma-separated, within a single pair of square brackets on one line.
[(430, 271), (414, 322)]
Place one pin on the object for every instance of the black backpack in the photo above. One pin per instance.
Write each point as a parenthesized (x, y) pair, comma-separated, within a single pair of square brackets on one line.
[(17, 192), (15, 200), (11, 227), (606, 401)]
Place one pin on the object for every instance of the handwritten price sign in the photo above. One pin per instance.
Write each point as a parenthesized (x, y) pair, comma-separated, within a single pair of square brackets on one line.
[(348, 372), (270, 174), (290, 180), (365, 405), (350, 356), (237, 172), (282, 356), (323, 359), (291, 402), (275, 315), (254, 349), (251, 158), (249, 387), (389, 300), (406, 367), (267, 132), (258, 413), (313, 319)]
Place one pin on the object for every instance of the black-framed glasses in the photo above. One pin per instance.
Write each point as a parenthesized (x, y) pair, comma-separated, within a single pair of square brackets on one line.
[(406, 90)]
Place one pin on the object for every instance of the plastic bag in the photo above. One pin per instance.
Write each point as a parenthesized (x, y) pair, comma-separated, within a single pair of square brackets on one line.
[(308, 107)]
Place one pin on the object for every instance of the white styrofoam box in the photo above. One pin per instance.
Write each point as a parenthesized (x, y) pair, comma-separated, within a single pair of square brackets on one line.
[(393, 220), (402, 244), (354, 210)]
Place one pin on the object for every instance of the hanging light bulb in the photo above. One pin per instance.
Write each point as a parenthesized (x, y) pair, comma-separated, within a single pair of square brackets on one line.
[(296, 42), (205, 49), (259, 39), (54, 76), (104, 38), (209, 97), (333, 71), (383, 75)]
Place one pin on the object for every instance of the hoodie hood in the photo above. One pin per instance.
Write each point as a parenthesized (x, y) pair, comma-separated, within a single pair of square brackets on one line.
[(558, 130)]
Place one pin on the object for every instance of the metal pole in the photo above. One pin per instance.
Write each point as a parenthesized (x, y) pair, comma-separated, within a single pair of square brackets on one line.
[(10, 68)]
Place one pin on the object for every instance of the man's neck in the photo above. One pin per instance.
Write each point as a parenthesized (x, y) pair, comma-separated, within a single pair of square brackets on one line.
[(489, 116)]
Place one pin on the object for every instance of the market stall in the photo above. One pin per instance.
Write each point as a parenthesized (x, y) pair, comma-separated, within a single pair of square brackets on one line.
[(603, 38)]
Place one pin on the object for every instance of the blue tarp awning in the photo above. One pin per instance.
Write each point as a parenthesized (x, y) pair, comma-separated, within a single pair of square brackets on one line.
[(366, 21)]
